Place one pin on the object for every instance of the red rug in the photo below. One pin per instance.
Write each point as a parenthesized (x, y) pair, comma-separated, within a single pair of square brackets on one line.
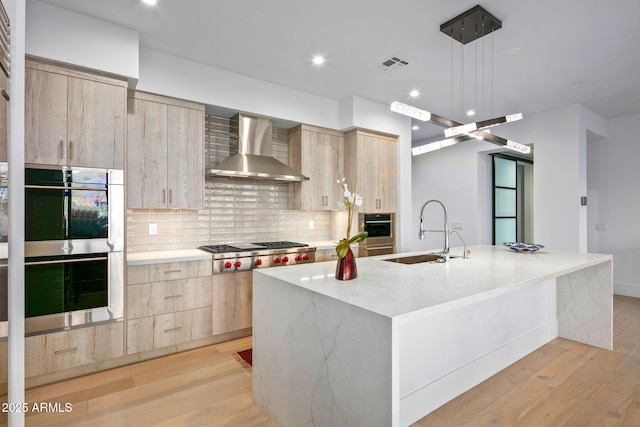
[(245, 356)]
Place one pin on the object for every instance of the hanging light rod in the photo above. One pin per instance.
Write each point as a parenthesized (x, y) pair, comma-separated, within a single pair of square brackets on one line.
[(436, 145), (426, 116), (483, 124)]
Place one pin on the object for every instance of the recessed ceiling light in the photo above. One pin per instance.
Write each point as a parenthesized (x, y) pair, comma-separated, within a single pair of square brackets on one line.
[(414, 93), (415, 127), (471, 113), (318, 60), (150, 2)]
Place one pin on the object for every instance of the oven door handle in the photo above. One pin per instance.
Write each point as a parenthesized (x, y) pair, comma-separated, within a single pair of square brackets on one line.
[(377, 247), (65, 261), (97, 187), (382, 221)]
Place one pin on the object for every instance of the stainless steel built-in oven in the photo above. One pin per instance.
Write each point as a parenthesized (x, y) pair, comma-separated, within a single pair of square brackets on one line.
[(381, 238), (74, 246), (73, 210)]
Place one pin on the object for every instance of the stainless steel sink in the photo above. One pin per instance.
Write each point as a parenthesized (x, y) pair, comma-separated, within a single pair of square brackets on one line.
[(416, 259)]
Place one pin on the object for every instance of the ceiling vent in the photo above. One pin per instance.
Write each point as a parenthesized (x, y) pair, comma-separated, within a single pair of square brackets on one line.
[(393, 64)]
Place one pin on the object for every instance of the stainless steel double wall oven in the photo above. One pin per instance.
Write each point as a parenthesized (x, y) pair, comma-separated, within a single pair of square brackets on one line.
[(74, 246)]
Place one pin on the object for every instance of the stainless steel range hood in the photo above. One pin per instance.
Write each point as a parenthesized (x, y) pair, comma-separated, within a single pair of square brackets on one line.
[(254, 160)]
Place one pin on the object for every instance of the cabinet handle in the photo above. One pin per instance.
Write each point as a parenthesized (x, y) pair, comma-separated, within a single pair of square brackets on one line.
[(173, 296), (70, 150), (66, 350), (170, 196), (5, 94), (173, 329), (172, 271), (164, 195), (61, 149)]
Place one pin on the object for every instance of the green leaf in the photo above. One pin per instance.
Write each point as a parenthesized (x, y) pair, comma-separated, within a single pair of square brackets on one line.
[(359, 237), (342, 248)]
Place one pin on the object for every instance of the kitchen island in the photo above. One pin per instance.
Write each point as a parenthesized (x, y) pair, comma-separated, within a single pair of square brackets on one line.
[(401, 340)]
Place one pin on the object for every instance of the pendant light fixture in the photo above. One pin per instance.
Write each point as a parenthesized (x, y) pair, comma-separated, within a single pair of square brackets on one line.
[(464, 28)]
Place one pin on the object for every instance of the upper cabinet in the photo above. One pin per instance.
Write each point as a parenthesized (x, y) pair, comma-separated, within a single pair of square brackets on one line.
[(73, 117), (319, 154), (371, 168), (165, 152)]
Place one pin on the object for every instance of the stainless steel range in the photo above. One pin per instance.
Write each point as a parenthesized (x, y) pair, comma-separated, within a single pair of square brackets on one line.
[(247, 256)]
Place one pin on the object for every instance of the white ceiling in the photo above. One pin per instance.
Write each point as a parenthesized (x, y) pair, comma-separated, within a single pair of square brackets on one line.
[(594, 42)]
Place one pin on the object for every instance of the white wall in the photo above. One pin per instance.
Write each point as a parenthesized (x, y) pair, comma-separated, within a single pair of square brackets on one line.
[(453, 176), (614, 199), (362, 113), (72, 38), (459, 176), (181, 78)]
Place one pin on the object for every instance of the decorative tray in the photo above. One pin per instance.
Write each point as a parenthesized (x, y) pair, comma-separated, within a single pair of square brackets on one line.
[(523, 247)]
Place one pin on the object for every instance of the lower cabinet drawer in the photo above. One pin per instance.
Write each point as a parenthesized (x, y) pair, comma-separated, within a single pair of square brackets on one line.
[(148, 333), (67, 349)]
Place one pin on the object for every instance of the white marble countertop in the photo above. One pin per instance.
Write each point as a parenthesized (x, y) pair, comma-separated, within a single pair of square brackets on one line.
[(158, 257), (399, 290)]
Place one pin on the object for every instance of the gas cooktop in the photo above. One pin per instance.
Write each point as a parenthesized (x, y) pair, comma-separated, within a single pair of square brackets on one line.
[(251, 247), (247, 256)]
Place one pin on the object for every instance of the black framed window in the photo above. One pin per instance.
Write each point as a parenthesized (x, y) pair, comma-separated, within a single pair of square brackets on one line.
[(512, 199)]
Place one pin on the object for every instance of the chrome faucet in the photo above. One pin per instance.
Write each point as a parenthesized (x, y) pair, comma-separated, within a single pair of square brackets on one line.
[(445, 250), (466, 252)]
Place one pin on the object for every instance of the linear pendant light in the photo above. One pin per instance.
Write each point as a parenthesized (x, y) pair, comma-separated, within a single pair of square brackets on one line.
[(464, 28), (483, 124), (417, 113)]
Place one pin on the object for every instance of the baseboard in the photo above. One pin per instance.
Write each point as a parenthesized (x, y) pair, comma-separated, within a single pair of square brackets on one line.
[(427, 399), (626, 289)]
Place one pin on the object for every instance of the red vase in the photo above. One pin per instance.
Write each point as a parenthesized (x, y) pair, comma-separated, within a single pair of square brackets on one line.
[(346, 268)]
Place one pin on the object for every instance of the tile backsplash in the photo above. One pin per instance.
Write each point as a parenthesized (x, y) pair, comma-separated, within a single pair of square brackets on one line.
[(235, 211)]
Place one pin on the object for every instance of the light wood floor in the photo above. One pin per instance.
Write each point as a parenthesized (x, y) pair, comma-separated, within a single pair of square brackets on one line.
[(563, 383)]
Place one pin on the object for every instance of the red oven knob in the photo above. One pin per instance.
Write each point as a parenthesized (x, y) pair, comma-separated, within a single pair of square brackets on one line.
[(306, 257), (285, 259), (237, 264), (298, 258), (277, 260), (227, 264), (258, 261)]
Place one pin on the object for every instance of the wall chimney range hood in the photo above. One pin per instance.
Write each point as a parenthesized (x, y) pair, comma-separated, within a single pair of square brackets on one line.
[(254, 160)]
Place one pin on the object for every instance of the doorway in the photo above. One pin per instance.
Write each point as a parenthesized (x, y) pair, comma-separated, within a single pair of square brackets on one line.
[(512, 199)]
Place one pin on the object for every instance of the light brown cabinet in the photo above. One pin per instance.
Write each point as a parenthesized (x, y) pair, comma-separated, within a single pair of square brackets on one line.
[(168, 304), (73, 117), (319, 154), (371, 166), (57, 351), (232, 302), (331, 254), (165, 152)]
